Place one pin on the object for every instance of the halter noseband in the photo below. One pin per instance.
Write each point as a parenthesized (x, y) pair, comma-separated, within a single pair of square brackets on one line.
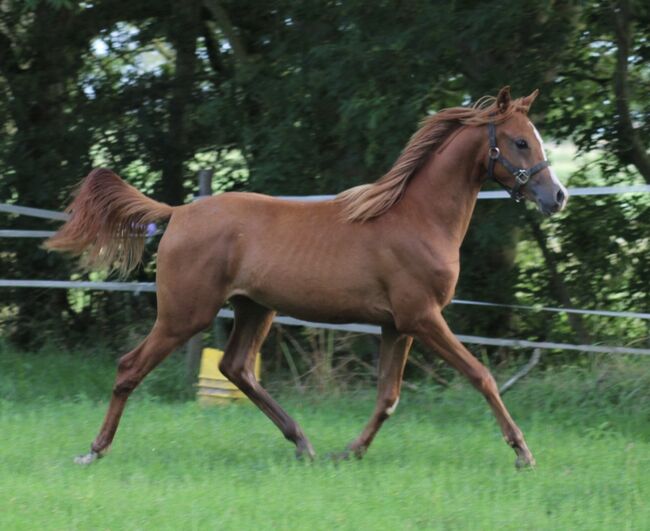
[(521, 175)]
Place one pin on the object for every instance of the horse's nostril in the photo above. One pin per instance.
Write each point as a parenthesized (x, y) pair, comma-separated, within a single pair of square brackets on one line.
[(560, 196)]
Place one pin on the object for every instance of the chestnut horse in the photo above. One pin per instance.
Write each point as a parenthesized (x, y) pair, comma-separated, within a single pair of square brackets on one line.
[(385, 253)]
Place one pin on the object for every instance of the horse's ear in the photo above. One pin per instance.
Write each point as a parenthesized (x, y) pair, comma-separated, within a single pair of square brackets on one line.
[(503, 99), (528, 100)]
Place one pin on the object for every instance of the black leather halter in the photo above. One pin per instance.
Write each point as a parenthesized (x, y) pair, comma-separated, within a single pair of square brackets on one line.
[(521, 175)]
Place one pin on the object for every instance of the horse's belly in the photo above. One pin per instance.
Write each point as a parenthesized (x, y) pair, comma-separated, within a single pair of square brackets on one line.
[(323, 300), (334, 314)]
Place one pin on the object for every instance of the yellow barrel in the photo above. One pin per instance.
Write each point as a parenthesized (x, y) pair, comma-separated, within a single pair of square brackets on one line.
[(213, 386)]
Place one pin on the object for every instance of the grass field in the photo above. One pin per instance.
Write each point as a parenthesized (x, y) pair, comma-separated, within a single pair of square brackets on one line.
[(439, 463)]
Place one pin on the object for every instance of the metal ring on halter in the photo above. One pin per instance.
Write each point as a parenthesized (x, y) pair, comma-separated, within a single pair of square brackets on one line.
[(522, 177), (494, 153)]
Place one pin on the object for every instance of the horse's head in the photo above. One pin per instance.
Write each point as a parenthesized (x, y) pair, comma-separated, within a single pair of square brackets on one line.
[(516, 157)]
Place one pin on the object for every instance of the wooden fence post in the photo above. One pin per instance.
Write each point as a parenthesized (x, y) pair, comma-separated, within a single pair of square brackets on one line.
[(195, 345)]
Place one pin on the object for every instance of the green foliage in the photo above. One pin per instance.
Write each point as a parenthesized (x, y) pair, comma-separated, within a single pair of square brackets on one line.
[(584, 104), (314, 97), (53, 374)]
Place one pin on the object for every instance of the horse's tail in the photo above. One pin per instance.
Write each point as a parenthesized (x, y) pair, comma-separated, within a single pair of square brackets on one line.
[(108, 222)]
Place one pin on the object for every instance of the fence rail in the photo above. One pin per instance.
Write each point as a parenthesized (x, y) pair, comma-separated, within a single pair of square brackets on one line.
[(488, 194), (577, 191), (138, 287), (151, 286), (7, 233), (33, 212)]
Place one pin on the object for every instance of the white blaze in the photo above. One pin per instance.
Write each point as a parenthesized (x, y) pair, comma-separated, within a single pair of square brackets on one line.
[(550, 169)]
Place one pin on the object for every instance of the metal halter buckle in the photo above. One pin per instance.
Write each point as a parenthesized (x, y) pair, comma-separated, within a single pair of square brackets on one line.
[(522, 176), (494, 153)]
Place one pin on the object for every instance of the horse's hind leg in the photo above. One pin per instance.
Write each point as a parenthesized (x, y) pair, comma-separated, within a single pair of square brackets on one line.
[(179, 317), (132, 368), (392, 359), (252, 324)]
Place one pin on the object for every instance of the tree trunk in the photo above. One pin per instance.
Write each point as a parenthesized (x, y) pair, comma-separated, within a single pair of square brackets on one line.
[(630, 147), (186, 26)]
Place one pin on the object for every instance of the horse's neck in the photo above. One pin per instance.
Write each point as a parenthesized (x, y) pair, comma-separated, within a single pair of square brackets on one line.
[(444, 192)]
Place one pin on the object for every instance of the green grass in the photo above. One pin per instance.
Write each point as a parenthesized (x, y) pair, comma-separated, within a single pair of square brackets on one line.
[(439, 463)]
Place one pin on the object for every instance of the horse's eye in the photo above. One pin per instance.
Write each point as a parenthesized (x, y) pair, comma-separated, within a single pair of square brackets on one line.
[(521, 143)]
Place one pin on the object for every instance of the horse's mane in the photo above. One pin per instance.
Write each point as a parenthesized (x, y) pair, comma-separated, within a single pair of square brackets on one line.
[(368, 201)]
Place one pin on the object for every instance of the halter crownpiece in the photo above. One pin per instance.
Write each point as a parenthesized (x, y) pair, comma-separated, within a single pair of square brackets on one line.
[(521, 175)]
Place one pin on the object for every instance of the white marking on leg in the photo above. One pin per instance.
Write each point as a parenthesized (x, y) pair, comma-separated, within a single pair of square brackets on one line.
[(390, 410)]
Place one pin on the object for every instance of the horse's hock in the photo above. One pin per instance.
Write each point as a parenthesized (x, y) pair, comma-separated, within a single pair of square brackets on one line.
[(213, 387)]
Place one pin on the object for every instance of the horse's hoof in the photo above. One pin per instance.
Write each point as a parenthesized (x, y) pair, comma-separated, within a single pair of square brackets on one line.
[(337, 457), (349, 452), (304, 451), (359, 452), (525, 462), (87, 459)]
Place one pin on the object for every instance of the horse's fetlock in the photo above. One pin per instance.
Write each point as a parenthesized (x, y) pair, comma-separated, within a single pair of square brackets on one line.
[(293, 433), (125, 387), (390, 405), (515, 439)]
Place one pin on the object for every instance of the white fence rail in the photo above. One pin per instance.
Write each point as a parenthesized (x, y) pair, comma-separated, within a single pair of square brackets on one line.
[(151, 287), (140, 287), (512, 343), (489, 194), (33, 212), (6, 233), (501, 194)]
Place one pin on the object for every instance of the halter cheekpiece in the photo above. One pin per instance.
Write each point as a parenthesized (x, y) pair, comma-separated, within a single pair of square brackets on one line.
[(521, 175)]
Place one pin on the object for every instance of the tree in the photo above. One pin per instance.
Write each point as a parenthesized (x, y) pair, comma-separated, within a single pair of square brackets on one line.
[(317, 96)]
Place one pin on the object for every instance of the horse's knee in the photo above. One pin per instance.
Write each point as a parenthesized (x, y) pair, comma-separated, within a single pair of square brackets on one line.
[(125, 363), (126, 380), (125, 386)]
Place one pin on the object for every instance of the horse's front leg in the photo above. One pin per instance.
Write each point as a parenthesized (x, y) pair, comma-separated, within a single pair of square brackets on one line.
[(393, 353), (434, 332)]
